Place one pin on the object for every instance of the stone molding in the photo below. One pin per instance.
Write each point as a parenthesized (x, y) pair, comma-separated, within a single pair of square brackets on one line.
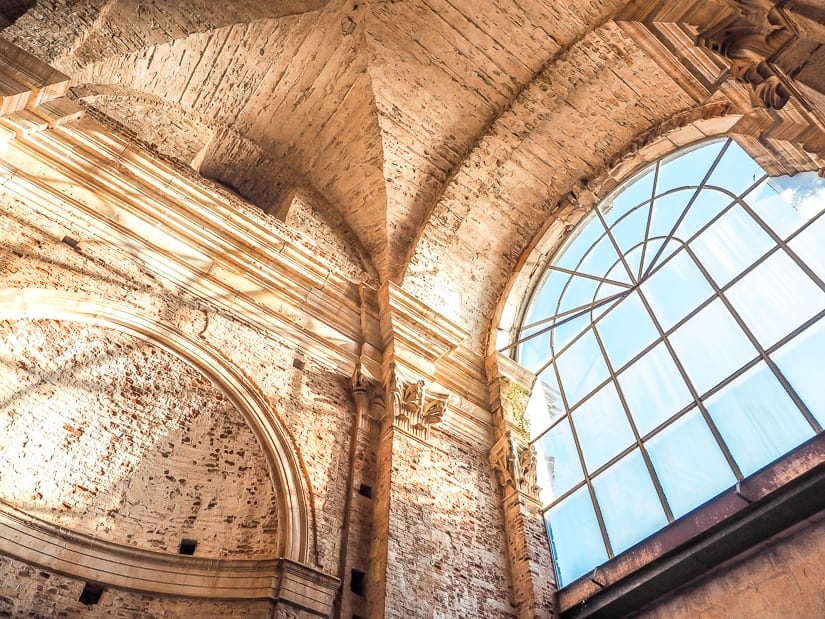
[(80, 556), (513, 461)]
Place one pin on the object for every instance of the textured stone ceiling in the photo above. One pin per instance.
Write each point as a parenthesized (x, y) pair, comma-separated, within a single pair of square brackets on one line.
[(415, 129), (370, 107)]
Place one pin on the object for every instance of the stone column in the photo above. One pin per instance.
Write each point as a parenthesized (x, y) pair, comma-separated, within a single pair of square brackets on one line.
[(513, 461)]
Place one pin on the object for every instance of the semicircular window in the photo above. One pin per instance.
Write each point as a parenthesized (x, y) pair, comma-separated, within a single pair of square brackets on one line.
[(677, 338)]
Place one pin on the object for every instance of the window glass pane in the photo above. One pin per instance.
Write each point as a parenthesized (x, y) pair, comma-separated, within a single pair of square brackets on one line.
[(736, 171), (689, 168), (689, 463), (544, 406), (602, 427), (575, 536), (654, 389), (558, 462), (630, 231), (667, 209), (626, 330), (608, 290), (757, 419), (676, 289), (801, 361), (705, 207), (579, 292), (581, 368), (535, 352), (651, 249), (631, 195), (810, 246), (547, 297), (567, 330), (629, 503), (787, 202), (633, 258), (730, 245), (599, 259), (776, 298), (581, 240), (711, 346)]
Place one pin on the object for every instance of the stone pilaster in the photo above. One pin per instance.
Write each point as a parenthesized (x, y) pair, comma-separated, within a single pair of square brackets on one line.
[(401, 581), (513, 461)]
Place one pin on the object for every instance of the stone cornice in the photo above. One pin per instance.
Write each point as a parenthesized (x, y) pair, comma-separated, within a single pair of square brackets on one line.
[(419, 336), (193, 239), (80, 556)]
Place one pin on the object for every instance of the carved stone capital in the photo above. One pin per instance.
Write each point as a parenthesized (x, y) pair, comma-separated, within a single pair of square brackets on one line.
[(750, 36), (514, 464), (368, 396), (415, 407)]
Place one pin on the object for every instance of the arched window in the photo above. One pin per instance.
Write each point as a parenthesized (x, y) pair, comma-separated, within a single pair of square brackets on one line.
[(679, 347)]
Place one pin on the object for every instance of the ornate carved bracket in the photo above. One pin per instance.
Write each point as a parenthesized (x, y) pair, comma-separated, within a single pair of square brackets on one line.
[(415, 409), (368, 396), (514, 465), (750, 36)]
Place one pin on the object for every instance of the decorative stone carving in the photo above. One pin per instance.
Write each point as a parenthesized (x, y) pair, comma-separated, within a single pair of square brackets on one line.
[(503, 461), (415, 409), (514, 465), (750, 36), (527, 479), (368, 396)]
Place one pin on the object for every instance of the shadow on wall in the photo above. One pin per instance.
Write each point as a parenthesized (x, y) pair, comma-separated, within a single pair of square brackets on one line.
[(116, 438), (12, 10)]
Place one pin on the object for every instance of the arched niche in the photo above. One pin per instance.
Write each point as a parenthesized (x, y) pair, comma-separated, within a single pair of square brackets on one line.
[(293, 521)]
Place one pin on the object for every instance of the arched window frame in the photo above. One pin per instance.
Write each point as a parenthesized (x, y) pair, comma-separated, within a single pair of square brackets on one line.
[(779, 479)]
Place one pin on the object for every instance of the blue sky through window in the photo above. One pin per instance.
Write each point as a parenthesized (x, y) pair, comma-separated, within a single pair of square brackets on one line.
[(676, 334)]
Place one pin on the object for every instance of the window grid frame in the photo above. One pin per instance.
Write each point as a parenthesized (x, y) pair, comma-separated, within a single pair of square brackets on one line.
[(697, 403)]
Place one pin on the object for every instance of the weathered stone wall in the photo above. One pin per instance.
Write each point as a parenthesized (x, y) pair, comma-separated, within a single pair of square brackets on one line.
[(27, 591), (312, 402), (445, 527), (113, 437), (460, 541), (781, 577)]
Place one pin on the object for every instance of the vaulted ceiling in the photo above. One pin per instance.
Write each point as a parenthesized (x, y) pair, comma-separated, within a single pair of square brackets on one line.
[(401, 122)]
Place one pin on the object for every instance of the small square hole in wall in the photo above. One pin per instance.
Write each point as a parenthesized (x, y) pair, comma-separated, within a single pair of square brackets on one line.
[(365, 490), (91, 594), (298, 364), (70, 242), (357, 582), (187, 547)]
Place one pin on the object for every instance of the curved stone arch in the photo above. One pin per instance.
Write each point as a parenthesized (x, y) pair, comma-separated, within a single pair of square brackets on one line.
[(286, 471)]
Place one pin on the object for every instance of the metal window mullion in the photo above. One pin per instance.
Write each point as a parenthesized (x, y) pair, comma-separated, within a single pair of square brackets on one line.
[(649, 218), (613, 242), (548, 328), (573, 272), (760, 350), (626, 409), (587, 479), (784, 245), (699, 404), (695, 195), (587, 307)]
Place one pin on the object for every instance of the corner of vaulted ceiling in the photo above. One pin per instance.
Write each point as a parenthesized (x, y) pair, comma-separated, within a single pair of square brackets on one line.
[(299, 90)]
